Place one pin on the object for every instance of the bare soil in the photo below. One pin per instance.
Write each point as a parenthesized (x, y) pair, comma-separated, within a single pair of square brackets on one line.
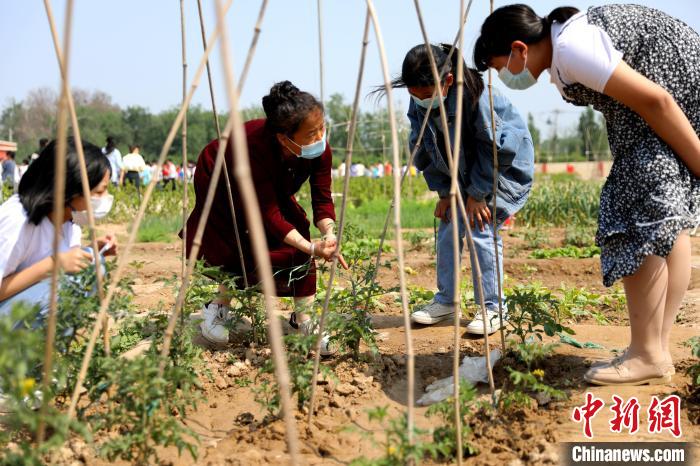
[(234, 431)]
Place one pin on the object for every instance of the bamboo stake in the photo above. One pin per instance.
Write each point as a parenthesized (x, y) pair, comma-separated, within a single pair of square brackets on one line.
[(58, 213), (227, 180), (397, 220), (123, 257), (341, 223), (259, 243), (83, 171), (451, 162), (495, 193), (184, 146), (457, 299)]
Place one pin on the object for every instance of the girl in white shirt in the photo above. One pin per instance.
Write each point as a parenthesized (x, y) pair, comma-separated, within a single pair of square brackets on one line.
[(641, 69), (27, 228)]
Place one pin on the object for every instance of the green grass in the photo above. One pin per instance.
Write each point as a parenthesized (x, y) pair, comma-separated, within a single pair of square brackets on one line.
[(159, 229)]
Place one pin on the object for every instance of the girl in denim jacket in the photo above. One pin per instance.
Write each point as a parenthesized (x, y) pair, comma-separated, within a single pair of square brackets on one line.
[(475, 172)]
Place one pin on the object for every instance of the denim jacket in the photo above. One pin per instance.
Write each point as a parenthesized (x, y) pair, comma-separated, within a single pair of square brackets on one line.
[(514, 146)]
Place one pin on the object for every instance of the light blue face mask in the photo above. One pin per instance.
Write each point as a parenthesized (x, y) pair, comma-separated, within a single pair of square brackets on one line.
[(519, 81), (425, 103), (314, 150)]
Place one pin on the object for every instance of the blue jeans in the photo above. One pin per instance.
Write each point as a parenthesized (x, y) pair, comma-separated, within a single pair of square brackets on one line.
[(39, 295), (483, 245)]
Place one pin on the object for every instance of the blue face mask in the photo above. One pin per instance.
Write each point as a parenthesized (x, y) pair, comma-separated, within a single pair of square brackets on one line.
[(314, 150), (519, 81), (425, 103)]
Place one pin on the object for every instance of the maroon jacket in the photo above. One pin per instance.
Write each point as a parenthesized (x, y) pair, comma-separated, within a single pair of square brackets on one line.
[(277, 178)]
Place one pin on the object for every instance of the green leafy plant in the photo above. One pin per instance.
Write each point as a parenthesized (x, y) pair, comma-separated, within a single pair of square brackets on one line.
[(531, 382), (397, 448), (417, 296), (21, 359), (159, 228), (536, 238), (246, 303), (301, 368), (532, 310), (417, 240), (578, 303), (566, 251), (579, 236), (694, 370), (351, 306), (144, 408), (444, 436)]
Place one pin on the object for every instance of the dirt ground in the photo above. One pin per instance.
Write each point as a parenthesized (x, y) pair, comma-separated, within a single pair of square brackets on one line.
[(230, 422)]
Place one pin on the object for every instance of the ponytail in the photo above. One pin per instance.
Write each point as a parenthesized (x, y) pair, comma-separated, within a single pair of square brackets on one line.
[(417, 72), (514, 22), (561, 15)]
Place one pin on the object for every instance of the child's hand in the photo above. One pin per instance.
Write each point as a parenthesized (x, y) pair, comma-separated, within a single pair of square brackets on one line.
[(74, 260), (442, 208), (108, 240), (478, 212)]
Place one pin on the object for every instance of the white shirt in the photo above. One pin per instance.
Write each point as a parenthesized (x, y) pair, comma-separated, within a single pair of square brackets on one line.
[(23, 244), (133, 163), (582, 53), (115, 162)]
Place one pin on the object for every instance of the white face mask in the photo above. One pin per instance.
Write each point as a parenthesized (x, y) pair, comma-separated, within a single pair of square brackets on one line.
[(518, 81), (101, 205)]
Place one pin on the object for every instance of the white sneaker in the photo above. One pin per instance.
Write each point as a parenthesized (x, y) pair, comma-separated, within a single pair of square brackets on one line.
[(432, 313), (309, 328), (213, 326), (476, 326)]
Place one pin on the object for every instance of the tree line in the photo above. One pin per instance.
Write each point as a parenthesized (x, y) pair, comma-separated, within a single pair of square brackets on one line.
[(26, 121)]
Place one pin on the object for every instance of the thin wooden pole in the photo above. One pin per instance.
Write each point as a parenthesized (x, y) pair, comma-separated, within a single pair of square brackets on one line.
[(85, 182), (451, 163), (58, 220), (457, 298), (410, 366), (185, 206), (494, 226), (341, 223), (259, 243), (124, 256), (227, 180)]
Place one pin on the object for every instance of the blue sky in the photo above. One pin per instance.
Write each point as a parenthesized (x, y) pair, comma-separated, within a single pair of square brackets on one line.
[(131, 48)]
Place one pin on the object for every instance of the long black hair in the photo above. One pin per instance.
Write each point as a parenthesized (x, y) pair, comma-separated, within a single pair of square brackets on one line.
[(286, 107), (514, 22), (417, 72), (36, 187)]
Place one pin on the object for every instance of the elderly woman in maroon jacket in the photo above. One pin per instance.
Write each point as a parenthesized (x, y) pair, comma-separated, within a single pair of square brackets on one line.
[(286, 149)]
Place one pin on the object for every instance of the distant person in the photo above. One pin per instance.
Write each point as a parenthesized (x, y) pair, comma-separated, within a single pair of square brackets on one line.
[(23, 167), (169, 174), (146, 175), (115, 160), (42, 143), (133, 164), (9, 170)]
